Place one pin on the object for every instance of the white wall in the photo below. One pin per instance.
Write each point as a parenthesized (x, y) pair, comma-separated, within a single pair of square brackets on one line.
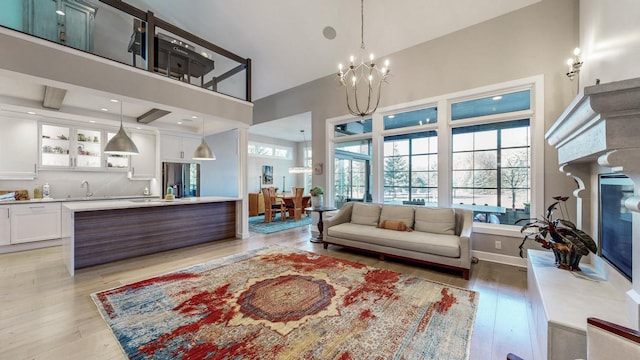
[(610, 40), (280, 167)]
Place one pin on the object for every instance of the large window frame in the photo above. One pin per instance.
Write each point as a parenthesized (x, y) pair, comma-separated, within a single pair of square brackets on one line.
[(444, 126)]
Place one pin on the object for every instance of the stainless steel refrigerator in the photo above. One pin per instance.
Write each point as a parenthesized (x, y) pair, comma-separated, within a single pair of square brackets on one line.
[(184, 178)]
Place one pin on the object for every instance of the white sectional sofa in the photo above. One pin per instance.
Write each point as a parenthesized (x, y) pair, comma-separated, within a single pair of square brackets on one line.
[(435, 236)]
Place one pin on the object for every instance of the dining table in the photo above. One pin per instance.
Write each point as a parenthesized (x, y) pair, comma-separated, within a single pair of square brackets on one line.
[(287, 200)]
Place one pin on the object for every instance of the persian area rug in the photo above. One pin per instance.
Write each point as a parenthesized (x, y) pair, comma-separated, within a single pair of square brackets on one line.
[(257, 224), (282, 303)]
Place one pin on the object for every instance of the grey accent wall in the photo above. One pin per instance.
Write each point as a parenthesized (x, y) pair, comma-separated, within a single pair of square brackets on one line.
[(219, 177), (530, 41)]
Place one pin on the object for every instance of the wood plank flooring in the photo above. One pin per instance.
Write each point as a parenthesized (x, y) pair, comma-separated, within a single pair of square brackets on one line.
[(45, 314)]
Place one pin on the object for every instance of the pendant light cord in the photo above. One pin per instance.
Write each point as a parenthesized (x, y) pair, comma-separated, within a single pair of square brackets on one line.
[(362, 24)]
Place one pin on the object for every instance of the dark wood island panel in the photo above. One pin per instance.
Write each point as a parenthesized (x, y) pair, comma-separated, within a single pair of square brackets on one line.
[(104, 236)]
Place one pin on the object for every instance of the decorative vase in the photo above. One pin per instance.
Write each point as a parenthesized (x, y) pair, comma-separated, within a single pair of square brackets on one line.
[(566, 259), (316, 201)]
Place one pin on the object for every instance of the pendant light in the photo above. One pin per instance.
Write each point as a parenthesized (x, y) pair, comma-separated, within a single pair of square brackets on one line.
[(121, 143), (301, 169), (203, 151)]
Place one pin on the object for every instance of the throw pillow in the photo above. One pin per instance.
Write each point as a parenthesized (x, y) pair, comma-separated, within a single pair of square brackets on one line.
[(397, 212), (394, 225), (365, 214), (435, 220)]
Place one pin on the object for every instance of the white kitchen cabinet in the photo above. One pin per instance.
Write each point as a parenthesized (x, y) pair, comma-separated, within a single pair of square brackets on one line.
[(178, 148), (18, 148), (5, 225), (66, 147), (115, 161), (144, 165), (35, 222)]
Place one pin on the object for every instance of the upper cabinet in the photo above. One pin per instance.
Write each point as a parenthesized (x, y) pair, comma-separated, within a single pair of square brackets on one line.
[(66, 147), (143, 165), (18, 148), (178, 148)]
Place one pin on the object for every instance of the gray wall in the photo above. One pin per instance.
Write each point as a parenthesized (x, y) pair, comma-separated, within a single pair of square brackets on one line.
[(220, 176), (531, 41)]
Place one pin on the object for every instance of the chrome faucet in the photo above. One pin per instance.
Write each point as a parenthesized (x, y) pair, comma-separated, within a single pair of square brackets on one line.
[(88, 193)]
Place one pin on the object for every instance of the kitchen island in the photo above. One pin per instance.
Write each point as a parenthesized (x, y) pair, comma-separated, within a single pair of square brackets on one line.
[(98, 232)]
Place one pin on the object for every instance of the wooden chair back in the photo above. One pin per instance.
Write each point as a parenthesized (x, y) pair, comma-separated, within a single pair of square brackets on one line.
[(297, 207), (271, 206)]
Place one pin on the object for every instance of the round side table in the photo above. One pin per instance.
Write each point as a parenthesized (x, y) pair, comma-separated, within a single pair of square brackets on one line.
[(319, 210)]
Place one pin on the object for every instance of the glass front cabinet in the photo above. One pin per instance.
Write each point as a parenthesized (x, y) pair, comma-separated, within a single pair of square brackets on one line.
[(78, 148)]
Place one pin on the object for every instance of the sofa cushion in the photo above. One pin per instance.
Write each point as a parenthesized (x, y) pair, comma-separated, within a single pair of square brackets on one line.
[(428, 243), (397, 212), (394, 225), (435, 220), (365, 214)]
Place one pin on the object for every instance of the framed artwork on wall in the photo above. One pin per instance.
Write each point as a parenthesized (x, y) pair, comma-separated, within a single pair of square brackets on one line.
[(267, 174)]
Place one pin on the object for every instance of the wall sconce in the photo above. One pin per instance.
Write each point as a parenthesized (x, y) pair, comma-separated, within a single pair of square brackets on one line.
[(574, 64)]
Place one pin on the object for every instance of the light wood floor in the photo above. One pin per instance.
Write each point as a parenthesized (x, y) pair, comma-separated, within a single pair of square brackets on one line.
[(45, 314)]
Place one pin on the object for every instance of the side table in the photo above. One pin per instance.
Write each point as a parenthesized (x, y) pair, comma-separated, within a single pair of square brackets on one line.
[(319, 210)]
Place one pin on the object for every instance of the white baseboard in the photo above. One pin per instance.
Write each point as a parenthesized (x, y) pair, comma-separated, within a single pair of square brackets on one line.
[(499, 258), (30, 246)]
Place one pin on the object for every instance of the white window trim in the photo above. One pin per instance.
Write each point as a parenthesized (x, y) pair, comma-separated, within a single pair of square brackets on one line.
[(443, 126)]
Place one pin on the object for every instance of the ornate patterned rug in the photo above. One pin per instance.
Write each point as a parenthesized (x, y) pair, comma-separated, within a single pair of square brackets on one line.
[(282, 303), (257, 224)]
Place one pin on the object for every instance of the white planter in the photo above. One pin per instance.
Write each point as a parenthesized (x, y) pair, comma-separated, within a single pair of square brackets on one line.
[(316, 201)]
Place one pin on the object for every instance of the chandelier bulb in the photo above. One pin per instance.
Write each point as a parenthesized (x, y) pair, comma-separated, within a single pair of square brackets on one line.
[(371, 57), (352, 59), (576, 51), (353, 81), (340, 67), (386, 63)]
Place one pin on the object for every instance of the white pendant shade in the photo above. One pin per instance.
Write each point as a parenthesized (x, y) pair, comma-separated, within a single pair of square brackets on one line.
[(121, 143), (203, 152)]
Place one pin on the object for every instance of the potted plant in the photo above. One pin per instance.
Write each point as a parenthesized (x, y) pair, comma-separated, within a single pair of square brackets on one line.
[(568, 243), (316, 193)]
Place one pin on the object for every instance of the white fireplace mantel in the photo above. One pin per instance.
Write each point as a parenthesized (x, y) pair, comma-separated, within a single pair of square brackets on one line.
[(601, 126)]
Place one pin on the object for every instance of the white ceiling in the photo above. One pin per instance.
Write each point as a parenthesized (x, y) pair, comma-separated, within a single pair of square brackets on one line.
[(284, 39)]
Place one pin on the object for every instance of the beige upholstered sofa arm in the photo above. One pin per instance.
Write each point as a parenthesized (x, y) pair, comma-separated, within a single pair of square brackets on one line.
[(343, 216), (464, 223)]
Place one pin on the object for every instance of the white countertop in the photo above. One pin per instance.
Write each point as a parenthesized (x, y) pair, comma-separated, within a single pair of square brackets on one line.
[(68, 199), (570, 297), (137, 203)]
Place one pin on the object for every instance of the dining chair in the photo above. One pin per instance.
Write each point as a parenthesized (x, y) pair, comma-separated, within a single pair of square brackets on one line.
[(295, 208), (271, 206)]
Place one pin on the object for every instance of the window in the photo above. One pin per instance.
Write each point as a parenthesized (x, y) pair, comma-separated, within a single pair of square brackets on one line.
[(411, 168), (498, 104), (479, 149), (411, 118), (269, 150), (352, 174), (353, 128), (491, 170)]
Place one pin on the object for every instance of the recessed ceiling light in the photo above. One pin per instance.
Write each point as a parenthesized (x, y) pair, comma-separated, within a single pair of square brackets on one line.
[(31, 113), (496, 98), (194, 117), (179, 122), (138, 127), (92, 121), (114, 100), (60, 12), (104, 109)]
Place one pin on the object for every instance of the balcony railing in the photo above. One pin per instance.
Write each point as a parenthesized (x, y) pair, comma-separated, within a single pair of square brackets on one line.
[(120, 32)]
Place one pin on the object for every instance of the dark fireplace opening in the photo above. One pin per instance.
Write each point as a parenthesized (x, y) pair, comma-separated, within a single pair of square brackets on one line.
[(616, 222)]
